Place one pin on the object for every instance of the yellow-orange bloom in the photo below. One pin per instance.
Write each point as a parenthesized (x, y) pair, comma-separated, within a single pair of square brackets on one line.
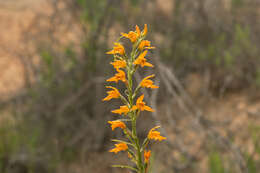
[(145, 44), (147, 155), (155, 135), (141, 60), (119, 147), (138, 31), (117, 49), (116, 124), (147, 83), (121, 110), (119, 64), (118, 76), (145, 30), (112, 94), (140, 104), (133, 36)]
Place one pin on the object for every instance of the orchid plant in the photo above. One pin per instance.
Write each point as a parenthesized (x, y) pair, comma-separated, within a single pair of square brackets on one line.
[(125, 66)]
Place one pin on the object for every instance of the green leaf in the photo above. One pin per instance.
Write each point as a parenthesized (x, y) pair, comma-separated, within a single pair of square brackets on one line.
[(123, 120), (125, 166), (117, 140)]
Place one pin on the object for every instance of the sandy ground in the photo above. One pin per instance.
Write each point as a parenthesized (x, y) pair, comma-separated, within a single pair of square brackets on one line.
[(15, 16), (16, 19)]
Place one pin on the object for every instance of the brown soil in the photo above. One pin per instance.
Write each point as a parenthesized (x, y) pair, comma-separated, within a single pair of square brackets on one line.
[(15, 16)]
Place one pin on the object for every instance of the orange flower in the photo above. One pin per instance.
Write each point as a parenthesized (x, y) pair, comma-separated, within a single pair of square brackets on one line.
[(117, 123), (147, 155), (155, 135), (133, 36), (146, 83), (119, 147), (142, 61), (117, 49), (119, 64), (145, 44), (141, 105), (118, 76), (145, 30), (113, 94), (121, 110), (138, 31)]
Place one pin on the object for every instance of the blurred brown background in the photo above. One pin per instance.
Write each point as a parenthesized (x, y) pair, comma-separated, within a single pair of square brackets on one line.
[(52, 80)]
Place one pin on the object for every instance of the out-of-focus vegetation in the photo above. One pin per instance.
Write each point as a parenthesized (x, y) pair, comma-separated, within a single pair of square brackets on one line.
[(57, 122)]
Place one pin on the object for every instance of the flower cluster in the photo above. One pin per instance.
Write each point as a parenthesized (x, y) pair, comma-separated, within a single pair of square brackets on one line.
[(125, 66)]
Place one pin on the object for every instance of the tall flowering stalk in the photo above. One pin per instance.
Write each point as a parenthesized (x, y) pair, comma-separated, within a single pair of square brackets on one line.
[(125, 66)]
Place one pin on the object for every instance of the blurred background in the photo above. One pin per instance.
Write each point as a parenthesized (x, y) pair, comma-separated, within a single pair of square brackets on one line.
[(52, 80)]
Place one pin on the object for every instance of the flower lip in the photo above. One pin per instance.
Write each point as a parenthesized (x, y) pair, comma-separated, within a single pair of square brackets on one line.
[(117, 124), (141, 60), (146, 83), (122, 110), (140, 105), (117, 49), (119, 147), (155, 135), (119, 64), (145, 44), (112, 94), (118, 76)]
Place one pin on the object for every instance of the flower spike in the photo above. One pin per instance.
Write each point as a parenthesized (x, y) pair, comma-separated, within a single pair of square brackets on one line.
[(126, 65)]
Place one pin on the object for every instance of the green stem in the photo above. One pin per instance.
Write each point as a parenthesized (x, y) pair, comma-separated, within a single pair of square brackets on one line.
[(138, 150), (133, 114)]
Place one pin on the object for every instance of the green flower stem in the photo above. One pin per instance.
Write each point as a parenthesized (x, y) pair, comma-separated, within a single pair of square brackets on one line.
[(133, 114), (138, 151), (130, 85)]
